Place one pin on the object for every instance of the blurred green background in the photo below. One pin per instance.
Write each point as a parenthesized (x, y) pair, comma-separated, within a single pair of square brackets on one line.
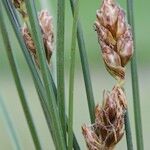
[(100, 78)]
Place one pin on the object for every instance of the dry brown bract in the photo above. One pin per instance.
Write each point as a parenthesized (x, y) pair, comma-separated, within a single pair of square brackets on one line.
[(108, 128), (115, 38), (20, 6), (45, 21)]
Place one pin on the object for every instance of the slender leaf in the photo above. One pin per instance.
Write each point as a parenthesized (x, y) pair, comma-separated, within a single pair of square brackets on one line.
[(10, 126), (37, 81), (55, 119), (71, 77), (85, 67), (18, 84), (135, 84), (128, 132), (60, 62)]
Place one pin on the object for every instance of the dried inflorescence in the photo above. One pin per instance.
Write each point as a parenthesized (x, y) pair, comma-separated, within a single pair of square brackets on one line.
[(20, 6), (45, 21), (115, 38), (108, 128)]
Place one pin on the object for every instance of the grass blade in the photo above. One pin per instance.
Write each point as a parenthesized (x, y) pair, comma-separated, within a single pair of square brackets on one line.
[(71, 76), (10, 126), (128, 132), (18, 84), (55, 119), (135, 84), (85, 67), (60, 62), (37, 81)]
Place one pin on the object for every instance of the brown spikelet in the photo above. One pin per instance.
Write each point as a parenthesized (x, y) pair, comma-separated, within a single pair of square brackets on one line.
[(45, 21), (109, 123), (20, 6), (115, 34), (115, 39), (29, 43)]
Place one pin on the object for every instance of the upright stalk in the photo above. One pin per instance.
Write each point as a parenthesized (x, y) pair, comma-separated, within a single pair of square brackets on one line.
[(85, 67), (128, 131), (37, 81), (54, 115), (18, 83), (71, 77), (60, 62), (135, 84), (10, 126)]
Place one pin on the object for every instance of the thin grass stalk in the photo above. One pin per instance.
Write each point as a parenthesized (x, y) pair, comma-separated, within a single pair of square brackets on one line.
[(85, 67), (10, 126), (60, 62), (19, 86), (55, 120), (135, 84), (128, 132), (71, 76), (37, 81)]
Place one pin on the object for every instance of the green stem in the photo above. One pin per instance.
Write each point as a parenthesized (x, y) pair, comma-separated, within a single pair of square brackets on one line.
[(37, 81), (18, 84), (36, 78), (85, 67), (10, 125), (128, 132), (60, 62), (55, 119), (71, 77), (135, 84)]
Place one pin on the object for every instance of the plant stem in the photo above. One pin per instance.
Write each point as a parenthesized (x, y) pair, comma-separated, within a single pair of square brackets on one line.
[(60, 62), (54, 115), (36, 79), (85, 67), (71, 77), (10, 125), (135, 84), (128, 132), (18, 84)]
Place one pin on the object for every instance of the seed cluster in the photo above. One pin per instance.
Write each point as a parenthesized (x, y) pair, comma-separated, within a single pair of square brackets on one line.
[(115, 39), (45, 22)]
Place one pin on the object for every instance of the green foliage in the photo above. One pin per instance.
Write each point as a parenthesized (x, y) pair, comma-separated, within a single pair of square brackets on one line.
[(135, 84), (52, 98)]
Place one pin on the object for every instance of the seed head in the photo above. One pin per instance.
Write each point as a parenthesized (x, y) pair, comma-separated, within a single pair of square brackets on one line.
[(20, 6), (109, 123), (115, 37), (45, 21)]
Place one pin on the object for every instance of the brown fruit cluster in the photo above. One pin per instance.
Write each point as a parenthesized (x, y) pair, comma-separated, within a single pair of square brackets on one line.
[(20, 6), (115, 39), (108, 128), (45, 22)]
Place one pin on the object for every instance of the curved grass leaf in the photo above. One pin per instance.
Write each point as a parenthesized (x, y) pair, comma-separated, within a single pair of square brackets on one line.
[(36, 32), (18, 84), (37, 81)]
